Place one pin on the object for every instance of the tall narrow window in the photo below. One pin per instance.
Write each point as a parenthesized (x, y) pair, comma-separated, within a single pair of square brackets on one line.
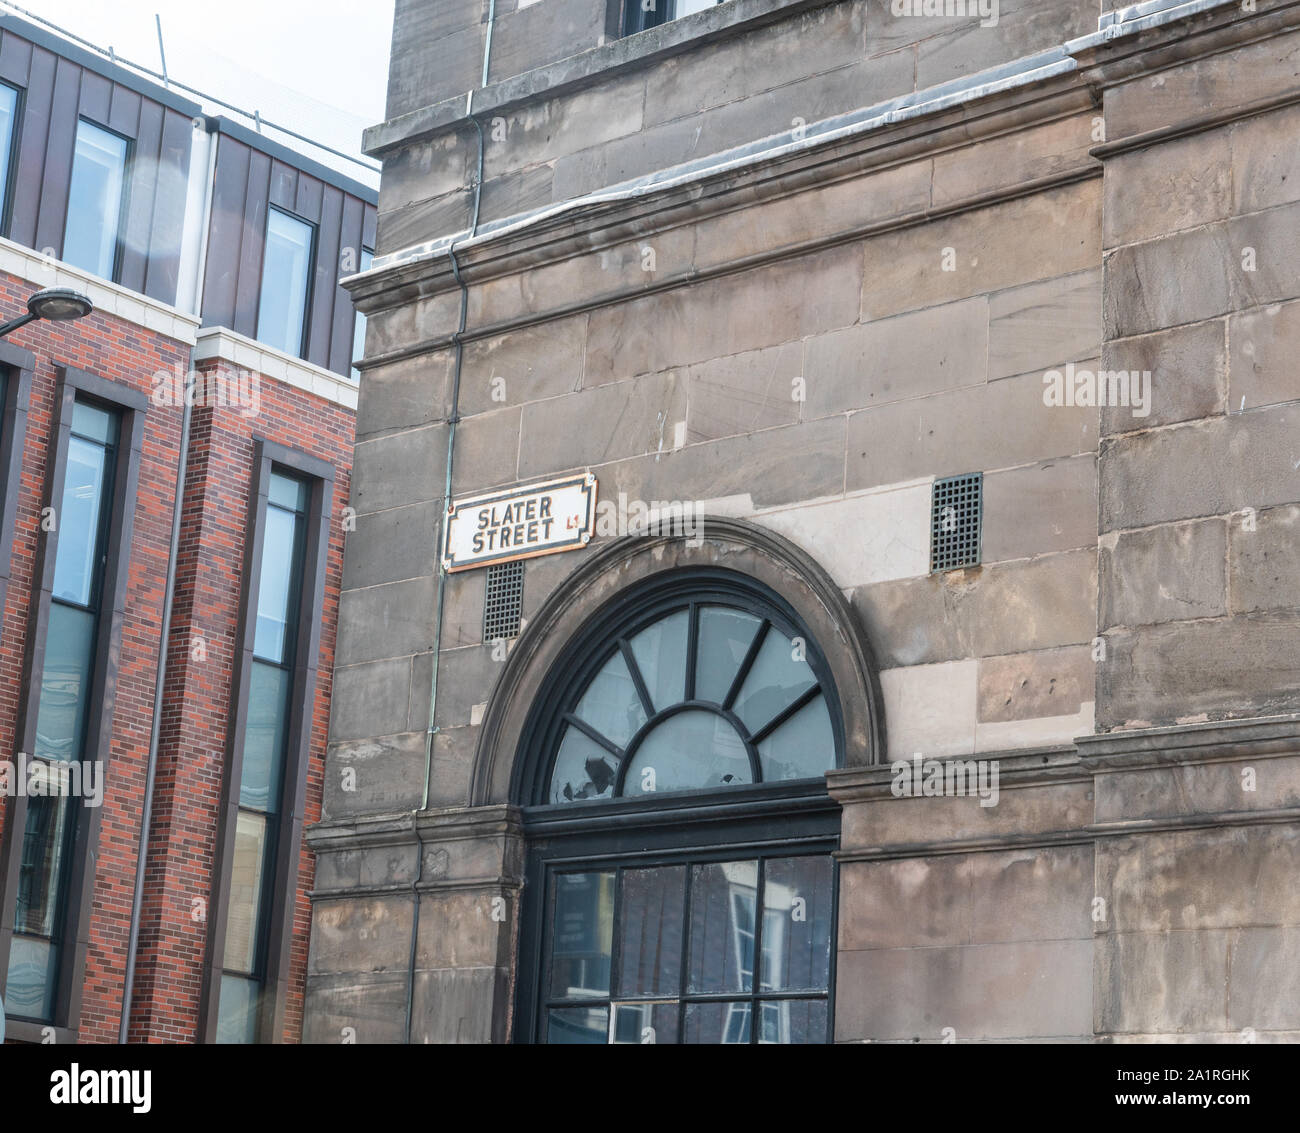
[(8, 117), (359, 328), (262, 774), (91, 236), (286, 269), (74, 615)]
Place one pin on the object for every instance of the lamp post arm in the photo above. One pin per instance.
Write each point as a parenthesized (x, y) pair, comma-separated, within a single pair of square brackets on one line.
[(14, 324)]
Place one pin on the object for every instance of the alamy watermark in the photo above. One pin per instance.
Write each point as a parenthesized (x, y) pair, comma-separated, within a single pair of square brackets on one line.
[(986, 11), (24, 777), (934, 778), (1114, 388), (657, 517), (227, 389)]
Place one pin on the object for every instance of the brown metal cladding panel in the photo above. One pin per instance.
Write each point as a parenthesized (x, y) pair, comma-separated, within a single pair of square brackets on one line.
[(163, 273), (96, 98), (145, 184), (340, 356), (15, 59), (124, 116), (284, 186), (225, 234), (326, 276), (308, 202), (254, 240), (53, 205), (31, 151)]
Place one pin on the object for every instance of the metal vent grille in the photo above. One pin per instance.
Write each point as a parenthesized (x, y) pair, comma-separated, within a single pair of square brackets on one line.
[(956, 516), (505, 599)]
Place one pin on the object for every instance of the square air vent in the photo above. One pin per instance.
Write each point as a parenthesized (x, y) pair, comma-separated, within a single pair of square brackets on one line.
[(956, 515), (504, 602)]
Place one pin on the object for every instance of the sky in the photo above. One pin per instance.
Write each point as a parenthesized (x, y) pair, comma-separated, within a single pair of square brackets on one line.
[(319, 67)]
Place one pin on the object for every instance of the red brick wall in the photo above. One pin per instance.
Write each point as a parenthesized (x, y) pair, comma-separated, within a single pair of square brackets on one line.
[(197, 692)]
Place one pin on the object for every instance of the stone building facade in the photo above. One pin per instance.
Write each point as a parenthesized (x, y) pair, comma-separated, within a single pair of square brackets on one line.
[(853, 282)]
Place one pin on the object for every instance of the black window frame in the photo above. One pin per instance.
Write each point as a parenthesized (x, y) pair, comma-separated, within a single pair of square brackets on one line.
[(781, 818), (131, 406), (124, 204), (276, 941), (11, 172), (309, 292)]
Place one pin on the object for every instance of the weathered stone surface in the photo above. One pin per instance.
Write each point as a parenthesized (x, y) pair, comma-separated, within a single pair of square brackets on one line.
[(423, 170), (461, 1005), (399, 469), (1230, 667), (454, 750), (389, 774), (1012, 608), (392, 545), (404, 395), (1182, 183), (524, 365), (1264, 564), (994, 991), (532, 36), (1161, 982), (386, 621), (1040, 236), (1273, 239), (422, 221), (1041, 326), (457, 931), (359, 1007), (763, 307), (940, 348), (1181, 789), (1189, 374), (1001, 425), (930, 709), (422, 320), (1206, 468), (519, 191), (1265, 345), (743, 393), (371, 700), (1025, 686), (487, 451), (1164, 574), (362, 934), (1040, 508), (1265, 164), (593, 426)]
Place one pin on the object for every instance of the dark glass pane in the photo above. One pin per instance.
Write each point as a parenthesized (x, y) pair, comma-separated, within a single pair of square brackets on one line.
[(802, 747), (690, 750), (775, 681), (723, 895), (797, 899), (610, 704), (644, 1023), (288, 492), (582, 928), (725, 636), (571, 1025), (359, 327), (285, 268), (650, 931), (265, 736), (792, 1021), (33, 979), (583, 769), (275, 590), (237, 1012), (78, 518), (65, 683), (95, 200), (660, 653), (8, 109), (714, 1023), (246, 881), (42, 873)]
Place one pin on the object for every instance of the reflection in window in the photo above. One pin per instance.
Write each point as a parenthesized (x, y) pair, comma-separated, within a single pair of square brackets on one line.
[(679, 943), (63, 707), (90, 238), (266, 737), (638, 15), (751, 709), (286, 271), (8, 115)]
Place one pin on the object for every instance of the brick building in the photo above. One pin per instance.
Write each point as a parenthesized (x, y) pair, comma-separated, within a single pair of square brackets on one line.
[(174, 471), (957, 697)]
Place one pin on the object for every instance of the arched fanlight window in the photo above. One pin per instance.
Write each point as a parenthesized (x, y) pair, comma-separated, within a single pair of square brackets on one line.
[(706, 690)]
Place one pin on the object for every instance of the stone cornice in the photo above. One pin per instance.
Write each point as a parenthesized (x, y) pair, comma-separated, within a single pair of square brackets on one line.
[(1212, 742), (447, 824)]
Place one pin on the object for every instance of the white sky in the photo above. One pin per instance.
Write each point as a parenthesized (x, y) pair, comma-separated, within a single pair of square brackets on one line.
[(317, 66)]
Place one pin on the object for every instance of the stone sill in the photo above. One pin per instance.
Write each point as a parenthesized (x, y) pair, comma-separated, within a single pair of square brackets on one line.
[(584, 69), (109, 298), (223, 344)]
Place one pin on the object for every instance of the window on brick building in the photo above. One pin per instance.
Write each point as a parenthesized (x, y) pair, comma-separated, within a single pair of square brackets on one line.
[(83, 515), (359, 329), (8, 120), (681, 887), (286, 278), (92, 235), (639, 15)]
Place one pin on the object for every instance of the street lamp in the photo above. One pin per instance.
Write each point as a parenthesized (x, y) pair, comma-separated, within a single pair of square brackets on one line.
[(58, 304)]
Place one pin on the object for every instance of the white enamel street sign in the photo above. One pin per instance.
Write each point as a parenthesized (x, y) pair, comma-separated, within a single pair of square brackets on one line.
[(520, 523)]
